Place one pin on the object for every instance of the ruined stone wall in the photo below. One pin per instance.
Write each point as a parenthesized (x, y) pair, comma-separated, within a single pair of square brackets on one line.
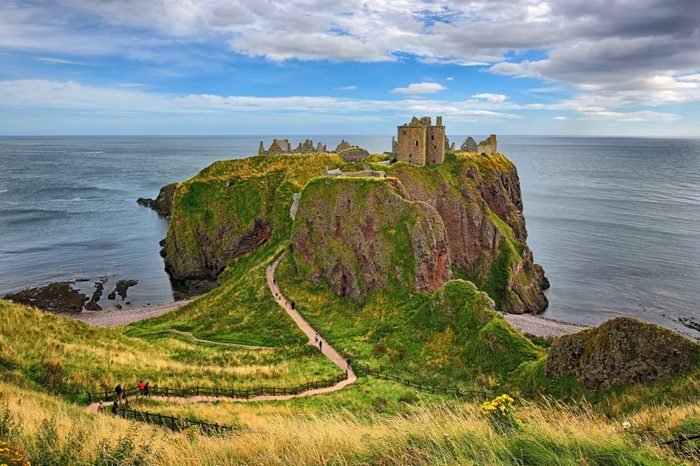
[(488, 145), (436, 145), (411, 144)]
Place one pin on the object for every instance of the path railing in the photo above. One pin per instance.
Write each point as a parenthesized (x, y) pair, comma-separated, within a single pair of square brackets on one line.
[(677, 443), (221, 392), (176, 424)]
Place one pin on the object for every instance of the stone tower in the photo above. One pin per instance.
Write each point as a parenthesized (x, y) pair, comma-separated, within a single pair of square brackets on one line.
[(420, 142)]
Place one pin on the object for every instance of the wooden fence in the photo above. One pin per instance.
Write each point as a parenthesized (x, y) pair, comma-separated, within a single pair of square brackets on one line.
[(171, 422), (247, 393)]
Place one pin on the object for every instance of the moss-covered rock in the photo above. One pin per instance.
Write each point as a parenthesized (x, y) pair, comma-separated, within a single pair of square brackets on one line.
[(234, 206), (621, 351), (363, 234), (479, 200)]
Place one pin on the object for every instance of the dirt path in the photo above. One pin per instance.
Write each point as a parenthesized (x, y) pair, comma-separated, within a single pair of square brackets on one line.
[(328, 351), (541, 327), (117, 317)]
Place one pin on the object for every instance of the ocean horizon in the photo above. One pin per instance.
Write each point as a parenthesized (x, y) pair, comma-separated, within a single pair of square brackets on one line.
[(614, 221)]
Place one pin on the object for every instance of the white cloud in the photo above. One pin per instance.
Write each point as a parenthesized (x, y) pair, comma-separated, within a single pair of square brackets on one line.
[(347, 88), (420, 88), (560, 118), (449, 78), (61, 61), (495, 98), (74, 96)]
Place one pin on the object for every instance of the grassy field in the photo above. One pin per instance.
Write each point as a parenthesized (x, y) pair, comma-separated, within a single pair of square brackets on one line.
[(67, 356), (52, 431)]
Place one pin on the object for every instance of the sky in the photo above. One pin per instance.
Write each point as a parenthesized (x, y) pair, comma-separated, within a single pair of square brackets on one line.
[(291, 67)]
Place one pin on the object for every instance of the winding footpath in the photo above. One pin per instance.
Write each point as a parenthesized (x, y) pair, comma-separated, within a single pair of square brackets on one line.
[(328, 351)]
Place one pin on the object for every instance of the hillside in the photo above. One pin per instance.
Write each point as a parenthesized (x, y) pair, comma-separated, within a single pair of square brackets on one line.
[(406, 274)]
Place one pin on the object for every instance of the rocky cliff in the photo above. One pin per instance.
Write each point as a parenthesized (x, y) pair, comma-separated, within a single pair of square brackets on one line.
[(364, 234), (622, 351), (232, 207), (478, 198), (163, 203)]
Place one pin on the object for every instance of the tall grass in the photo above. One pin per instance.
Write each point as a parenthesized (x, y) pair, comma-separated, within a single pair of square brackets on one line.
[(444, 433)]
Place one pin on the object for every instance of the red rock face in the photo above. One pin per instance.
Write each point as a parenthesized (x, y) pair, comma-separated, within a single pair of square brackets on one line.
[(361, 238), (474, 239)]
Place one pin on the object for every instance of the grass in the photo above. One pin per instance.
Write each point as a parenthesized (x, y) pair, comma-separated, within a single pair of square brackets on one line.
[(51, 431), (76, 357), (451, 337)]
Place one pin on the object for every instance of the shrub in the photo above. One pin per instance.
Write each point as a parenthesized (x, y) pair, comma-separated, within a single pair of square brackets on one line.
[(501, 412)]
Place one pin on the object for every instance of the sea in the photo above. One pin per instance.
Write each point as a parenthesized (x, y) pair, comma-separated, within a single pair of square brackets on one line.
[(615, 222)]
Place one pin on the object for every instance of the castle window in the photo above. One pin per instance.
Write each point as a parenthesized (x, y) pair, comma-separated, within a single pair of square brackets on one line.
[(404, 132), (416, 142), (432, 136)]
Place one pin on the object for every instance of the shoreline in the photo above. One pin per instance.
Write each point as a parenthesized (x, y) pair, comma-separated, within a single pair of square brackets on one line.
[(538, 326), (119, 317)]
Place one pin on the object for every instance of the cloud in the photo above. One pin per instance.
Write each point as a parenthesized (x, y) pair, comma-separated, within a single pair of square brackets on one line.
[(74, 96), (347, 88), (420, 88), (449, 78), (560, 118), (60, 61), (597, 49), (495, 98)]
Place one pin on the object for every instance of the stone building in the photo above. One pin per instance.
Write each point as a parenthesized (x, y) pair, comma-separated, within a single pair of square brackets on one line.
[(420, 142), (488, 145)]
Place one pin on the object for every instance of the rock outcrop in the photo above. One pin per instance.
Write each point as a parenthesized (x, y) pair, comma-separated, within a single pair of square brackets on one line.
[(54, 297), (480, 204), (363, 234), (233, 207), (621, 351), (163, 203)]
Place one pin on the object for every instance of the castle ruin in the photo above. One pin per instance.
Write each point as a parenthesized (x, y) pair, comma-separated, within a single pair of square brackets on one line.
[(420, 142)]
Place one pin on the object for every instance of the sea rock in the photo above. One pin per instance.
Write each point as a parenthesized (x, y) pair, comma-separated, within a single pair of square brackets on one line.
[(622, 351), (121, 288), (163, 203), (363, 234), (469, 145), (54, 297), (96, 295)]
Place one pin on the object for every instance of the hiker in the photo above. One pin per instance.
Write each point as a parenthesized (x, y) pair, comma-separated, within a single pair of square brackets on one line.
[(126, 402), (349, 361), (141, 387), (316, 338), (147, 389), (115, 407), (294, 305), (100, 407), (320, 344), (119, 390)]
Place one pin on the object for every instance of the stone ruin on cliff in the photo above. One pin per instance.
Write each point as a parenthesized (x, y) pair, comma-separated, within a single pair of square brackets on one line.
[(282, 146)]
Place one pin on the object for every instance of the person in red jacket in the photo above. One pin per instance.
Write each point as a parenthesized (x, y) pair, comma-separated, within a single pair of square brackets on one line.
[(141, 388)]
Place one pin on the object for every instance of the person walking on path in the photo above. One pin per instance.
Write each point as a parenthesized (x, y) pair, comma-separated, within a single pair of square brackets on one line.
[(115, 408), (126, 402), (316, 338), (141, 387), (147, 389), (320, 344), (349, 361), (118, 390)]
